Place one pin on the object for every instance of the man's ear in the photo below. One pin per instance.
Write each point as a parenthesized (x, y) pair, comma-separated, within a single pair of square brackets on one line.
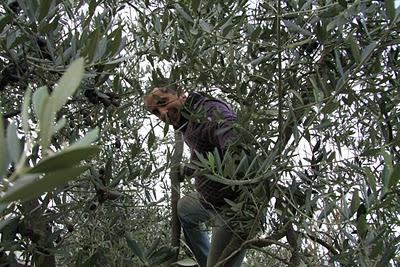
[(146, 101)]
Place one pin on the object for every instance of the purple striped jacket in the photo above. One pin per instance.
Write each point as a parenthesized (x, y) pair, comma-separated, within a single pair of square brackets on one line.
[(205, 125)]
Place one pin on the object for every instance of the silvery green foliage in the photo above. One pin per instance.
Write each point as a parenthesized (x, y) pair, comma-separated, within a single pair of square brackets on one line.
[(315, 86)]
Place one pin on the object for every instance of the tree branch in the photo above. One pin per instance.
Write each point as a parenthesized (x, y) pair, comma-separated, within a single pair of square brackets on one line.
[(175, 195), (239, 244), (330, 248)]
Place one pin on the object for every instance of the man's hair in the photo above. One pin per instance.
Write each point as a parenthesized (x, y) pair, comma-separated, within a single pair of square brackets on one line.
[(164, 89)]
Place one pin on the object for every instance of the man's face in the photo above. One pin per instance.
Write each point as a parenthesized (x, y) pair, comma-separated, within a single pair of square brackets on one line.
[(166, 105)]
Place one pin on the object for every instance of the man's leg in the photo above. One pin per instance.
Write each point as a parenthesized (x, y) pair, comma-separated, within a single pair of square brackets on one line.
[(192, 215), (221, 236)]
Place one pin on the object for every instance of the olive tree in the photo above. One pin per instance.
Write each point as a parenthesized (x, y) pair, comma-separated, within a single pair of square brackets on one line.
[(316, 88), (315, 85)]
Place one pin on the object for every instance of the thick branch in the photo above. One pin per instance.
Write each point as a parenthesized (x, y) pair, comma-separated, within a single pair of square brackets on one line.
[(175, 195), (293, 240), (39, 231)]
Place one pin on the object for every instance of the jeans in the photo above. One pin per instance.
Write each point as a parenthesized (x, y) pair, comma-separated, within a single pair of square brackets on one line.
[(192, 215)]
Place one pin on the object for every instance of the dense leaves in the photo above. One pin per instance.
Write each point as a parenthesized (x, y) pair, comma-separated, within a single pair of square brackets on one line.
[(316, 86)]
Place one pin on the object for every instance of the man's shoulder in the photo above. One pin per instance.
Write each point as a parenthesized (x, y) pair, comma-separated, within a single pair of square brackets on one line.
[(200, 103), (216, 106), (195, 99)]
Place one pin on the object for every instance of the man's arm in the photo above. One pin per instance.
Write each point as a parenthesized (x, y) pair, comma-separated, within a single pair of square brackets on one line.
[(218, 127)]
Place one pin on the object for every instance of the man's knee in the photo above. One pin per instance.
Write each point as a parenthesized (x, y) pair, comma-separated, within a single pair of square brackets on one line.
[(183, 207), (189, 210)]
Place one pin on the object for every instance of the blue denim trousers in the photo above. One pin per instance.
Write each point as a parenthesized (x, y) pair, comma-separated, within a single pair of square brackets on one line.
[(192, 215)]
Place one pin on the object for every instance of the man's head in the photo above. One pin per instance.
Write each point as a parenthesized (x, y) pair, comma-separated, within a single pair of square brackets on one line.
[(165, 103)]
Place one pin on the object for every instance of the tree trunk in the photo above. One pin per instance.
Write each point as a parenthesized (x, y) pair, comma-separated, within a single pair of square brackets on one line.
[(175, 195), (39, 230)]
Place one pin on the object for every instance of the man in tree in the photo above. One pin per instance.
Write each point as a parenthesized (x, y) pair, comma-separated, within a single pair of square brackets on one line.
[(206, 125)]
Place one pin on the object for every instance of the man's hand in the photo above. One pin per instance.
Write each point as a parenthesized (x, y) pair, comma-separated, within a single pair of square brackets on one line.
[(185, 171)]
